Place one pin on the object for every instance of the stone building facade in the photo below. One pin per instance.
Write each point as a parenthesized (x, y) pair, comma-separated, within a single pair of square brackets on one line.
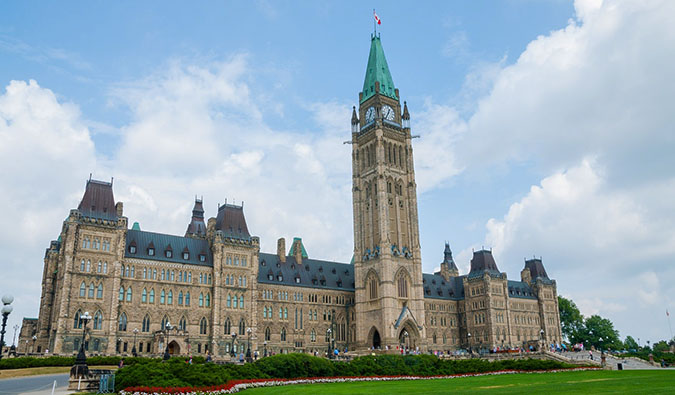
[(217, 292)]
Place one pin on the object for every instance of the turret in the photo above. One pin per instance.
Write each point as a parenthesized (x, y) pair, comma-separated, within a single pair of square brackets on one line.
[(448, 267), (355, 121), (197, 227), (406, 116)]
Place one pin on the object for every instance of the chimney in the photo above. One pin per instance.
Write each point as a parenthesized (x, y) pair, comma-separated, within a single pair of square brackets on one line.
[(297, 250), (526, 276), (119, 208), (281, 249)]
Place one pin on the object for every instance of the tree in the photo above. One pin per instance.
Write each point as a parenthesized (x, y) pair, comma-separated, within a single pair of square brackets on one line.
[(661, 346), (596, 328), (631, 344), (571, 320)]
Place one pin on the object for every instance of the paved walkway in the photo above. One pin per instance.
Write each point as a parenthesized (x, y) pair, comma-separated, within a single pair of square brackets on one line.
[(35, 385), (628, 363)]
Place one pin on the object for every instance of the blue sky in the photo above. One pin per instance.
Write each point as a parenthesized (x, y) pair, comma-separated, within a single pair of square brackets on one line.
[(543, 128)]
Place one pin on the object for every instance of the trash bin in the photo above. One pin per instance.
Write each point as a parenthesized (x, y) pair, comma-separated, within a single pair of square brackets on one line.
[(619, 366)]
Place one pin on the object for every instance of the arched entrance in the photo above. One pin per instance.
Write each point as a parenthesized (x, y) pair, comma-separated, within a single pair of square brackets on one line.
[(374, 339), (174, 348), (408, 337)]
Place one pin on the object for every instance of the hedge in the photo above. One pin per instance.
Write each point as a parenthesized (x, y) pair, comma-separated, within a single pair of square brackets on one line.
[(33, 362), (177, 373)]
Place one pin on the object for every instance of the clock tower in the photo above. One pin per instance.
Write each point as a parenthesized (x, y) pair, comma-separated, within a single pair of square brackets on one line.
[(389, 300)]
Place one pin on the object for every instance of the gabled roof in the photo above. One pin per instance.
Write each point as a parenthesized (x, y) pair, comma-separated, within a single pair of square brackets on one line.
[(231, 221), (98, 201), (312, 273), (436, 287), (377, 71), (161, 242)]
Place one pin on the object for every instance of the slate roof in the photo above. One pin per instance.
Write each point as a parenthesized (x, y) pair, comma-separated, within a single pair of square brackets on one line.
[(231, 221), (161, 242), (537, 271), (519, 289), (98, 201), (436, 287), (377, 71), (197, 227), (312, 273), (482, 262)]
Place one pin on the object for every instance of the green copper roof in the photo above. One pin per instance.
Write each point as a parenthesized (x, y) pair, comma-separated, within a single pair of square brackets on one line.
[(136, 226), (377, 70), (302, 248)]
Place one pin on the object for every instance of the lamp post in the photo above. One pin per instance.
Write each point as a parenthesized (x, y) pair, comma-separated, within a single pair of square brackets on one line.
[(248, 348), (6, 309), (167, 328), (330, 354), (133, 349), (405, 340), (265, 348), (541, 339), (468, 335), (32, 350), (119, 345), (234, 336), (600, 344), (81, 357)]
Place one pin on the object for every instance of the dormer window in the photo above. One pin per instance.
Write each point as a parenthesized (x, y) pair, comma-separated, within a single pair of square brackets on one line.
[(297, 280), (132, 249), (151, 251), (202, 258), (168, 253), (270, 277), (263, 263), (280, 278), (186, 255)]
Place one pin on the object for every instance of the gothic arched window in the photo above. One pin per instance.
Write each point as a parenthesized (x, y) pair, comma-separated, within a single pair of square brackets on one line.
[(83, 289), (228, 326), (152, 296), (268, 334), (146, 324), (402, 286), (242, 327), (144, 295), (121, 297), (283, 334), (98, 320), (182, 324), (122, 323), (202, 326), (77, 322), (187, 298), (99, 291)]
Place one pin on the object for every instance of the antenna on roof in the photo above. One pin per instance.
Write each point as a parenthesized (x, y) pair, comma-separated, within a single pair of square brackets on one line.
[(242, 204), (111, 180), (89, 176)]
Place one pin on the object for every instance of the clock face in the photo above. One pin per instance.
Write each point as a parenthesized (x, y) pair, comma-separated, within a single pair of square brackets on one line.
[(388, 113), (370, 114)]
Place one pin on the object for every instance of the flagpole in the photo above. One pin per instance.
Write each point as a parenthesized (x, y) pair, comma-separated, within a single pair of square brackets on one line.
[(669, 327), (374, 23)]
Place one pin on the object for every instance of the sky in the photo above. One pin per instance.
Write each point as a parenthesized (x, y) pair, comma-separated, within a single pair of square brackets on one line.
[(545, 130)]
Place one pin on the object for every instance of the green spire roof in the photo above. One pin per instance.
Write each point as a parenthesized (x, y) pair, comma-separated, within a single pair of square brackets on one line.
[(377, 70), (136, 226), (303, 252)]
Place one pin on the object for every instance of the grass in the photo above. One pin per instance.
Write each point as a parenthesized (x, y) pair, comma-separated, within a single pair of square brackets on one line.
[(13, 373), (596, 382)]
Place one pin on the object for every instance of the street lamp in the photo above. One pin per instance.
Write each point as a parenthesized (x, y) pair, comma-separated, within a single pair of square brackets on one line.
[(234, 336), (541, 339), (468, 335), (330, 354), (405, 341), (600, 344), (6, 309), (119, 345), (133, 349), (35, 338), (265, 348), (81, 358), (168, 327), (248, 349)]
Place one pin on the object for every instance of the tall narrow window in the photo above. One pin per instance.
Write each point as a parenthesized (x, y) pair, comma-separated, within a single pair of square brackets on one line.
[(83, 289), (144, 295), (201, 300), (202, 326), (180, 298), (182, 324), (187, 298), (98, 320), (122, 324), (283, 334), (121, 294), (268, 334), (241, 301), (169, 298), (208, 299), (146, 324), (152, 296), (162, 297), (99, 291), (77, 322), (91, 291), (129, 294), (228, 325)]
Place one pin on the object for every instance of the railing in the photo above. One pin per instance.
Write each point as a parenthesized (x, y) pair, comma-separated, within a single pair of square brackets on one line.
[(106, 384)]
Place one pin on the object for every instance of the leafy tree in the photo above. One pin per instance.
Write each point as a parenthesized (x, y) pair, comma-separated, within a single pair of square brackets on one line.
[(661, 346), (571, 320), (630, 343), (596, 328)]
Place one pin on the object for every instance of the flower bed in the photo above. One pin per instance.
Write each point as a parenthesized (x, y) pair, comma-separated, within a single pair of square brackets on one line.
[(239, 385)]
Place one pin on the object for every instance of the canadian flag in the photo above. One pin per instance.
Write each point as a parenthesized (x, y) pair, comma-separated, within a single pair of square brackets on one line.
[(377, 18)]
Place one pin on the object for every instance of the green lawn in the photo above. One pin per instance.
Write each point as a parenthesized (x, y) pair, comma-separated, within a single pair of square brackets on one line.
[(585, 382)]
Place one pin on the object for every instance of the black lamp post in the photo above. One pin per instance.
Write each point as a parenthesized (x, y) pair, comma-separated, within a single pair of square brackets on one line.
[(405, 341), (248, 349), (6, 309), (81, 357), (234, 336), (133, 349), (468, 335), (265, 348), (167, 355), (328, 334), (541, 339), (32, 350)]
